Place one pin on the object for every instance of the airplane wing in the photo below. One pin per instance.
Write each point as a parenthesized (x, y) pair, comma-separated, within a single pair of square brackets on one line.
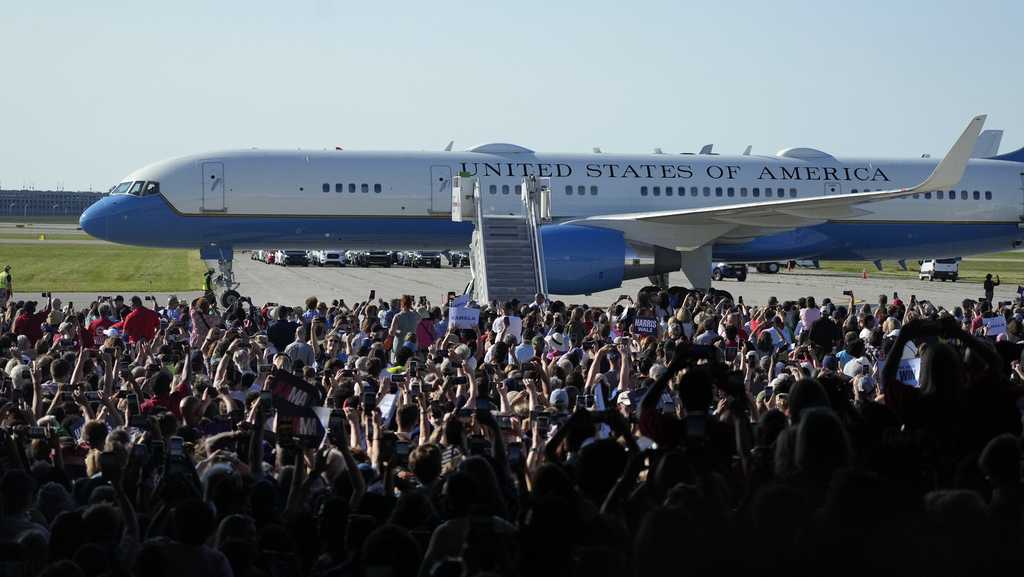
[(689, 229)]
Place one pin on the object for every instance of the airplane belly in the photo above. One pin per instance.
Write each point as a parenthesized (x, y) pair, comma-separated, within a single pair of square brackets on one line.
[(869, 241)]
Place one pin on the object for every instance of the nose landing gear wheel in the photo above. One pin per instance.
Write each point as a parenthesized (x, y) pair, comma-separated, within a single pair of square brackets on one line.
[(229, 298)]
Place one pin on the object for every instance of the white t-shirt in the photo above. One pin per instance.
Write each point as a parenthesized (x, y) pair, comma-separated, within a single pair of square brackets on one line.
[(515, 326)]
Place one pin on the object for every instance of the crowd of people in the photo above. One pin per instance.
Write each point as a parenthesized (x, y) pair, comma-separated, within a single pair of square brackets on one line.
[(671, 430)]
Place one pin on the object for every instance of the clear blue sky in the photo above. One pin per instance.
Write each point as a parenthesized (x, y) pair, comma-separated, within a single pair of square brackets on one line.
[(92, 90)]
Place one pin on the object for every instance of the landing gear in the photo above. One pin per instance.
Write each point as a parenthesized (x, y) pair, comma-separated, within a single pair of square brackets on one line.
[(223, 279), (659, 280)]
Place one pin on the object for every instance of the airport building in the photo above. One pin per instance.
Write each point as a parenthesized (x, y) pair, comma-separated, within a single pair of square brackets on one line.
[(48, 203)]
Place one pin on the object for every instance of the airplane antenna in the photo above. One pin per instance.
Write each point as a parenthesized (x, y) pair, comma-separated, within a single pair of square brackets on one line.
[(597, 150), (746, 152), (449, 147), (658, 151), (706, 149)]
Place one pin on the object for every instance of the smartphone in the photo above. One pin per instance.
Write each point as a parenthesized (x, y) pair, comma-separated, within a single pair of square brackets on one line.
[(769, 390), (695, 426), (373, 294), (543, 423), (451, 296), (505, 422), (847, 293), (730, 354), (515, 454), (176, 447), (402, 449), (36, 433), (369, 401), (415, 390)]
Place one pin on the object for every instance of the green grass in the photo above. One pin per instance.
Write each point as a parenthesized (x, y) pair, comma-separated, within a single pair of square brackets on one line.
[(1008, 265), (102, 267)]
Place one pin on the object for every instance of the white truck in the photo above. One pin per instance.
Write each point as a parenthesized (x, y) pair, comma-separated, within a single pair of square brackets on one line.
[(940, 268)]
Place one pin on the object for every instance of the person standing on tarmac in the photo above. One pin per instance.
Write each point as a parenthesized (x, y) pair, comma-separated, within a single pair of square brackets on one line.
[(6, 286), (990, 287)]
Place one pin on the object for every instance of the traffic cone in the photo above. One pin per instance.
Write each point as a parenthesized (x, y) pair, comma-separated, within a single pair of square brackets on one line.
[(864, 273)]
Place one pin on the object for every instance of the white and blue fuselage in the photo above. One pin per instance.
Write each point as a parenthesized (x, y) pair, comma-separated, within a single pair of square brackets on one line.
[(370, 200)]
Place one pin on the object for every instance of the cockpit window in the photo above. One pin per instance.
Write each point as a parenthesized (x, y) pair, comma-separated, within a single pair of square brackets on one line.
[(137, 187), (151, 188), (121, 188)]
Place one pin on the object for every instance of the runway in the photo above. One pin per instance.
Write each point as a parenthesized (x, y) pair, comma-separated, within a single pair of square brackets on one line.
[(292, 285)]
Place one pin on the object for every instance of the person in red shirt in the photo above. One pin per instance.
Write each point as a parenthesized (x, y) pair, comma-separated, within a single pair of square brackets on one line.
[(98, 328), (29, 322), (141, 324), (163, 396)]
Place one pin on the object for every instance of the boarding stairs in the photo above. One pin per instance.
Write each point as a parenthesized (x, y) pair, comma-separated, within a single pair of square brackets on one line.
[(506, 253)]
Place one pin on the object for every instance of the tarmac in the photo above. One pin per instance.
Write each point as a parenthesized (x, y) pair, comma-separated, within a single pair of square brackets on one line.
[(292, 285)]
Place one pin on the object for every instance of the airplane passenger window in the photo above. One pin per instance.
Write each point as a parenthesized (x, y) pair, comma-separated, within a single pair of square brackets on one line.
[(693, 191), (952, 195), (593, 191), (568, 189), (339, 187), (780, 192), (519, 190), (376, 188), (756, 192), (151, 188), (504, 189), (938, 194), (643, 191), (137, 187), (657, 191), (707, 191), (963, 195), (668, 191), (364, 187), (730, 191), (988, 195), (325, 187), (494, 189), (916, 196), (580, 190), (352, 187), (854, 191), (977, 195), (792, 193), (718, 191), (743, 191), (927, 195)]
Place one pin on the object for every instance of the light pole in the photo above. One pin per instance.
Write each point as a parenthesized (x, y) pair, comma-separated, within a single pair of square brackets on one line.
[(10, 208)]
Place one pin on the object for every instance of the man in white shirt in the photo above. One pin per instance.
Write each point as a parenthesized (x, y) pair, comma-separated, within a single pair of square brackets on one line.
[(514, 326)]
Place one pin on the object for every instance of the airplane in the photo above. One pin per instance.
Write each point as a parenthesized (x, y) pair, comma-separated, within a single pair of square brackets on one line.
[(615, 217)]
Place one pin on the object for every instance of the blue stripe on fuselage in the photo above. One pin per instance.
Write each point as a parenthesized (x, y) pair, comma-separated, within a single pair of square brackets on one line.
[(150, 221)]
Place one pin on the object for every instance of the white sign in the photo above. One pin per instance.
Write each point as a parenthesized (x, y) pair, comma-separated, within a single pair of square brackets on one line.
[(463, 317), (995, 326), (910, 372)]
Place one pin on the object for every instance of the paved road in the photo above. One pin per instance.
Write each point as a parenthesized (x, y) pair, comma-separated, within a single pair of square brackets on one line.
[(270, 283)]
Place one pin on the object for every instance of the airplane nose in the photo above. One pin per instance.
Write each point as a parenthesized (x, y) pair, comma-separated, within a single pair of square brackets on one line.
[(94, 220)]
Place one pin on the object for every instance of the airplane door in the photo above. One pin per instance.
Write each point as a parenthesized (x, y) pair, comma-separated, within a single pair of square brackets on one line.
[(213, 186), (833, 188), (440, 189)]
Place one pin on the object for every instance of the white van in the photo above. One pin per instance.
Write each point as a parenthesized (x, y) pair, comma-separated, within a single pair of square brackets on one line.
[(940, 268)]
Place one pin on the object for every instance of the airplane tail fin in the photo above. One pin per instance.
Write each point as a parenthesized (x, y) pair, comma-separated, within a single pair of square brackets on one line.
[(1015, 156)]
